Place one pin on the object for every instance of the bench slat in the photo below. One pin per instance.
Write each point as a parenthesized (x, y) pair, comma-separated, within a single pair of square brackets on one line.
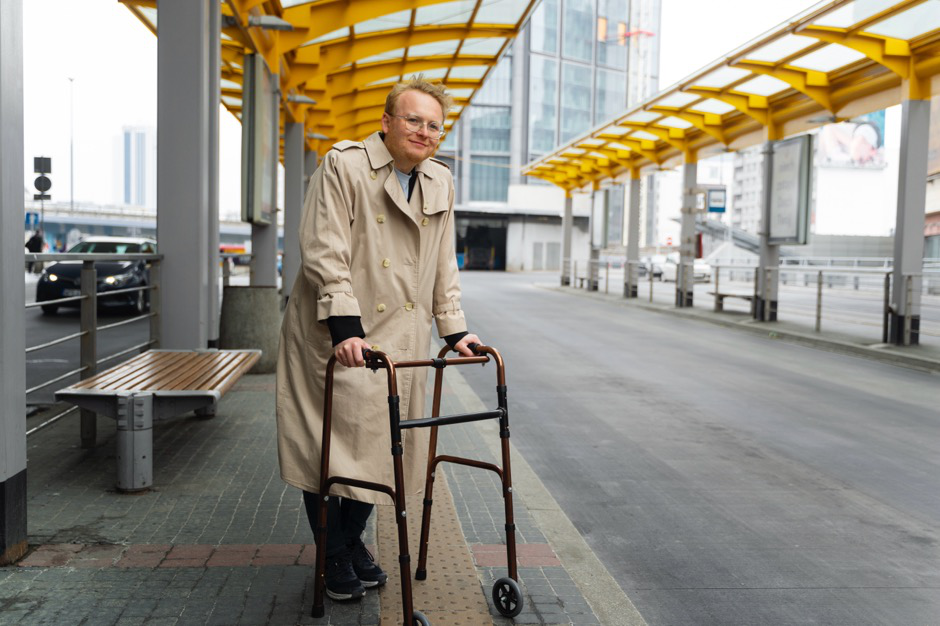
[(126, 371), (223, 380), (142, 378), (194, 369)]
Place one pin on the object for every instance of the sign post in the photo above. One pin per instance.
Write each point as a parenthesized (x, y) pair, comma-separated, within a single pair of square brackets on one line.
[(42, 166)]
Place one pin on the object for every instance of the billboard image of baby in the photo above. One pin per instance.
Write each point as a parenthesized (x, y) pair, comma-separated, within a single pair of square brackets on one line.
[(858, 143)]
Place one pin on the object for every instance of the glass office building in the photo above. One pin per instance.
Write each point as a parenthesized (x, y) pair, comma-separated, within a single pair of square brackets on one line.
[(569, 70)]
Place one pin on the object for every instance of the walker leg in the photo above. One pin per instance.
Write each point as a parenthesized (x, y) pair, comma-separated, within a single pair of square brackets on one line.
[(319, 577), (421, 573)]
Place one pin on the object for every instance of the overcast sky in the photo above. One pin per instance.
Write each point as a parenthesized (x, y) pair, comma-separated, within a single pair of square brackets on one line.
[(113, 59)]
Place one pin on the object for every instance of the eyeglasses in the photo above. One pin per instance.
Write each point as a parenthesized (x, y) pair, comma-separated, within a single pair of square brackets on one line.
[(415, 124)]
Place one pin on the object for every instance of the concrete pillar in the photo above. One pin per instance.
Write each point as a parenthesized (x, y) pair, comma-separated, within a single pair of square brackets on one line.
[(631, 284), (464, 147), (12, 339), (765, 309), (264, 236), (182, 180), (684, 278), (214, 97), (909, 231), (294, 164), (567, 222), (597, 235)]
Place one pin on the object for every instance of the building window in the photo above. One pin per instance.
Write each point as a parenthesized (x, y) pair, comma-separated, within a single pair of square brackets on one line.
[(498, 86), (543, 115), (489, 178), (544, 28), (611, 94), (490, 128), (578, 33), (612, 33), (575, 100)]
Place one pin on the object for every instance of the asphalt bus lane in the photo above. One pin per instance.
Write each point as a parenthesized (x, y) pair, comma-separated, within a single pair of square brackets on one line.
[(722, 477)]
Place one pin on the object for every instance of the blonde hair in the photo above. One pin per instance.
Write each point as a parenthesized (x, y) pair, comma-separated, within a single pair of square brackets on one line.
[(419, 83)]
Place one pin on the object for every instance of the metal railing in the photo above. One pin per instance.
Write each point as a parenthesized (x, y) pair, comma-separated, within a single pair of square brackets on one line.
[(88, 325)]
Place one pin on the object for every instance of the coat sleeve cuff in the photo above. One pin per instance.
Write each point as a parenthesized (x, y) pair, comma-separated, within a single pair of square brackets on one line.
[(342, 327), (337, 304), (450, 323)]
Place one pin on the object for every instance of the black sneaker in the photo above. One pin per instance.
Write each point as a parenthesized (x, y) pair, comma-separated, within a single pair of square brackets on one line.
[(341, 581), (363, 563)]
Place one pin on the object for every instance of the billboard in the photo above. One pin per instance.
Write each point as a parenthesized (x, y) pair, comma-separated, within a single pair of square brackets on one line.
[(259, 142), (615, 198), (933, 147), (790, 190), (859, 143)]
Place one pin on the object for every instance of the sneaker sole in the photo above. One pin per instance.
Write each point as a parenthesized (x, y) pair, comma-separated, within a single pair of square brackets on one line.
[(369, 584), (341, 597)]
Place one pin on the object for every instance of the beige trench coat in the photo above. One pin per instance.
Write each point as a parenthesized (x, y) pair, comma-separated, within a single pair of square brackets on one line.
[(365, 251)]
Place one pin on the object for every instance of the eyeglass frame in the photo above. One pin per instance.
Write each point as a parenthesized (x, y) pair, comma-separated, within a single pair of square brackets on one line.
[(423, 124)]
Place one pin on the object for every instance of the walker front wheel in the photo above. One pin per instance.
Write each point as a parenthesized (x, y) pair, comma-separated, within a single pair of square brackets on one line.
[(507, 596), (418, 619)]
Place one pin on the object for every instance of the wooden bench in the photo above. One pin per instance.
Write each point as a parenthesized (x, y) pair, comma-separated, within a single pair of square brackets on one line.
[(154, 385), (720, 299)]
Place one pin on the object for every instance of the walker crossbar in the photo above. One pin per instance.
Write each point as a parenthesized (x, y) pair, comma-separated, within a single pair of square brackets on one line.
[(361, 484), (460, 418), (457, 460)]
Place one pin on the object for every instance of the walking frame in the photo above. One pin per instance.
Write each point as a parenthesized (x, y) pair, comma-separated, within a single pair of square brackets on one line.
[(507, 595)]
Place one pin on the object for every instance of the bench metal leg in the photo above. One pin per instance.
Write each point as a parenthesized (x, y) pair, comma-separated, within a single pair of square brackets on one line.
[(135, 442), (206, 412)]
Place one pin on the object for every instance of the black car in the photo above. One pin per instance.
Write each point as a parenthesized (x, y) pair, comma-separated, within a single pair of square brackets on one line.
[(63, 279)]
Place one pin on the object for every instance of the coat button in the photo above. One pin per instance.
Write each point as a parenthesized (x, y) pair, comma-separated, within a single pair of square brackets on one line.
[(426, 208), (380, 308), (425, 222), (386, 263), (380, 218), (373, 175), (376, 348), (409, 306)]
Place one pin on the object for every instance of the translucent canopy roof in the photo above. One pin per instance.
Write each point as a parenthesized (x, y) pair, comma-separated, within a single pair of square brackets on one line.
[(832, 62), (346, 54)]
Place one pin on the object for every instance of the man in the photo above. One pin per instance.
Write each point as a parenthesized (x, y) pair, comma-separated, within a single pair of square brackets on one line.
[(378, 263), (34, 245)]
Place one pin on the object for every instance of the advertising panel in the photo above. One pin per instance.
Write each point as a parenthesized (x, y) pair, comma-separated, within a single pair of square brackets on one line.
[(790, 191), (933, 147), (859, 143), (259, 142)]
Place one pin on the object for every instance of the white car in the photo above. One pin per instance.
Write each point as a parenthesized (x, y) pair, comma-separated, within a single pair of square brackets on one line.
[(701, 271)]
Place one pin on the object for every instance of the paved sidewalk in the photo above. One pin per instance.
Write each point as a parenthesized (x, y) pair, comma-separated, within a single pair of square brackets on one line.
[(222, 540)]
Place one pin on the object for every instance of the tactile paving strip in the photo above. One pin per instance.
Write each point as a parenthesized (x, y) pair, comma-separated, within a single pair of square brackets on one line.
[(452, 593)]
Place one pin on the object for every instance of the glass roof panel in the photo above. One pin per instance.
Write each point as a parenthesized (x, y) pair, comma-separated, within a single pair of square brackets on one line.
[(721, 77), (474, 72), (591, 142), (619, 131), (293, 3), (780, 48), (461, 93), (386, 22), (619, 146), (435, 48), (674, 122), (482, 45), (641, 117), (149, 13), (447, 13), (828, 58), (336, 34), (642, 134), (436, 73), (225, 37), (384, 56), (383, 81), (854, 12), (762, 86), (676, 100), (710, 105), (916, 21), (501, 11), (597, 155), (229, 100), (229, 84)]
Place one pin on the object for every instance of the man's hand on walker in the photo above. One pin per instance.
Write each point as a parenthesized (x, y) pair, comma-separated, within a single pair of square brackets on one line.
[(349, 352), (462, 345)]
